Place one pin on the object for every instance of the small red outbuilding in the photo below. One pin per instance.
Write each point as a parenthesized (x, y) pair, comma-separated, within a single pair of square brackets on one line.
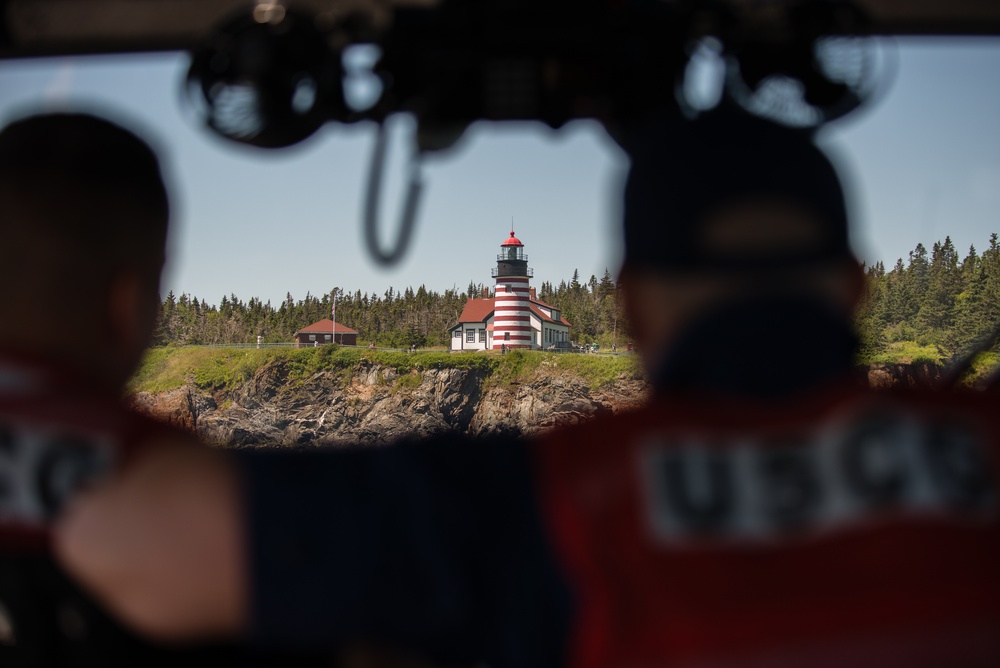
[(325, 331)]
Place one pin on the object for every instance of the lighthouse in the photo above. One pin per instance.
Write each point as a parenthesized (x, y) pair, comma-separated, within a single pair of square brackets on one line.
[(513, 316), (512, 296)]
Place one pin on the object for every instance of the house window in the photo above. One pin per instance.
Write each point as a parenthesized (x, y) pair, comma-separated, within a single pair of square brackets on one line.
[(506, 336), (312, 337), (326, 337), (457, 334), (470, 336), (482, 336)]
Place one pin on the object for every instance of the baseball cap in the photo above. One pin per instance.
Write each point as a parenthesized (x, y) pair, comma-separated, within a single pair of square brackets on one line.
[(731, 192)]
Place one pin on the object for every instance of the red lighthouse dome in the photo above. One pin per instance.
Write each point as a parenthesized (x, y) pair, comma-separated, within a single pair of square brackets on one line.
[(512, 241)]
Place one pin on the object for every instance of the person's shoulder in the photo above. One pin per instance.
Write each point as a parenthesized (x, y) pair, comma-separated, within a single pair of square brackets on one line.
[(832, 404), (59, 433), (43, 404), (603, 426), (975, 410)]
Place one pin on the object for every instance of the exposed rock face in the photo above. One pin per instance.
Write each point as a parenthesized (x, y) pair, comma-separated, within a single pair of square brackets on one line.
[(925, 374), (179, 407), (546, 402), (373, 405)]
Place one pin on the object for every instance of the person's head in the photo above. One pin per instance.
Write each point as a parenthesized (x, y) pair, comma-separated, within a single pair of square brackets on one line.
[(728, 208), (83, 218)]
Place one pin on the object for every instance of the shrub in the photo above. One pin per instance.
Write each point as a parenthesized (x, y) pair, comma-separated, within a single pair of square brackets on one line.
[(904, 352), (407, 382)]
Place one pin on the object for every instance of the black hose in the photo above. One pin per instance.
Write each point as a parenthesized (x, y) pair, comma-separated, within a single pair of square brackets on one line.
[(372, 197), (956, 371)]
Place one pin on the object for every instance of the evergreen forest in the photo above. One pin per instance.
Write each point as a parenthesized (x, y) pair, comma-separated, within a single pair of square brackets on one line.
[(394, 319), (937, 300), (934, 300)]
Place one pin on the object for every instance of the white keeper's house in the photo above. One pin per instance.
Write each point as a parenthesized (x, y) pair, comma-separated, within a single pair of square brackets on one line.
[(513, 316)]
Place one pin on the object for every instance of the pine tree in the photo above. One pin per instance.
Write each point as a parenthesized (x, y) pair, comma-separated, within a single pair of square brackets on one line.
[(942, 287), (872, 314), (606, 286), (917, 277)]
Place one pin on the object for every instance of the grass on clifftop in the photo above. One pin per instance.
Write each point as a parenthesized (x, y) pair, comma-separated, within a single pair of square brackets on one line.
[(171, 367), (223, 368), (904, 352), (910, 352), (600, 370), (595, 370), (167, 368), (982, 366)]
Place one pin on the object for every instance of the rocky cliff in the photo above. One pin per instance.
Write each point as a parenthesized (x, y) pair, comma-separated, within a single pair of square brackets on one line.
[(375, 404)]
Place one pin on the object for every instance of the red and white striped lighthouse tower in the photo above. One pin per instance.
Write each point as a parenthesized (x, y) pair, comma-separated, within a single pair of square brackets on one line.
[(512, 306)]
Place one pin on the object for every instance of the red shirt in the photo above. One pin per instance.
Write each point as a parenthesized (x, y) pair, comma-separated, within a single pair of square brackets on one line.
[(56, 434), (850, 529)]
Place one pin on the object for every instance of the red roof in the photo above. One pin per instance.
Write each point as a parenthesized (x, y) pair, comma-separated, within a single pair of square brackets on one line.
[(325, 326), (545, 304), (541, 314), (513, 241), (479, 310), (476, 310)]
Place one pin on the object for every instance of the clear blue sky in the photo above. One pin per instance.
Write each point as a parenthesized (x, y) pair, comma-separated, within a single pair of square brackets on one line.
[(923, 163)]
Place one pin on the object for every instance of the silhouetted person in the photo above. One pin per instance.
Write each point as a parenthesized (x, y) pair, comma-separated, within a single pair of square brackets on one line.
[(762, 510), (83, 225)]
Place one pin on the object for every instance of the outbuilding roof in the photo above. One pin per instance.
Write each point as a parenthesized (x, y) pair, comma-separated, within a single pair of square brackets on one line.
[(325, 326)]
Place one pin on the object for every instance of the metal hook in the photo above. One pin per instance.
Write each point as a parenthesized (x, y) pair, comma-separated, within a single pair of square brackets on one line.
[(953, 374), (410, 204)]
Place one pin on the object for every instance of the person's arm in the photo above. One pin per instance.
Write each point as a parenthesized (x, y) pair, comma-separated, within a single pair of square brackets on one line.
[(430, 547), (162, 543)]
